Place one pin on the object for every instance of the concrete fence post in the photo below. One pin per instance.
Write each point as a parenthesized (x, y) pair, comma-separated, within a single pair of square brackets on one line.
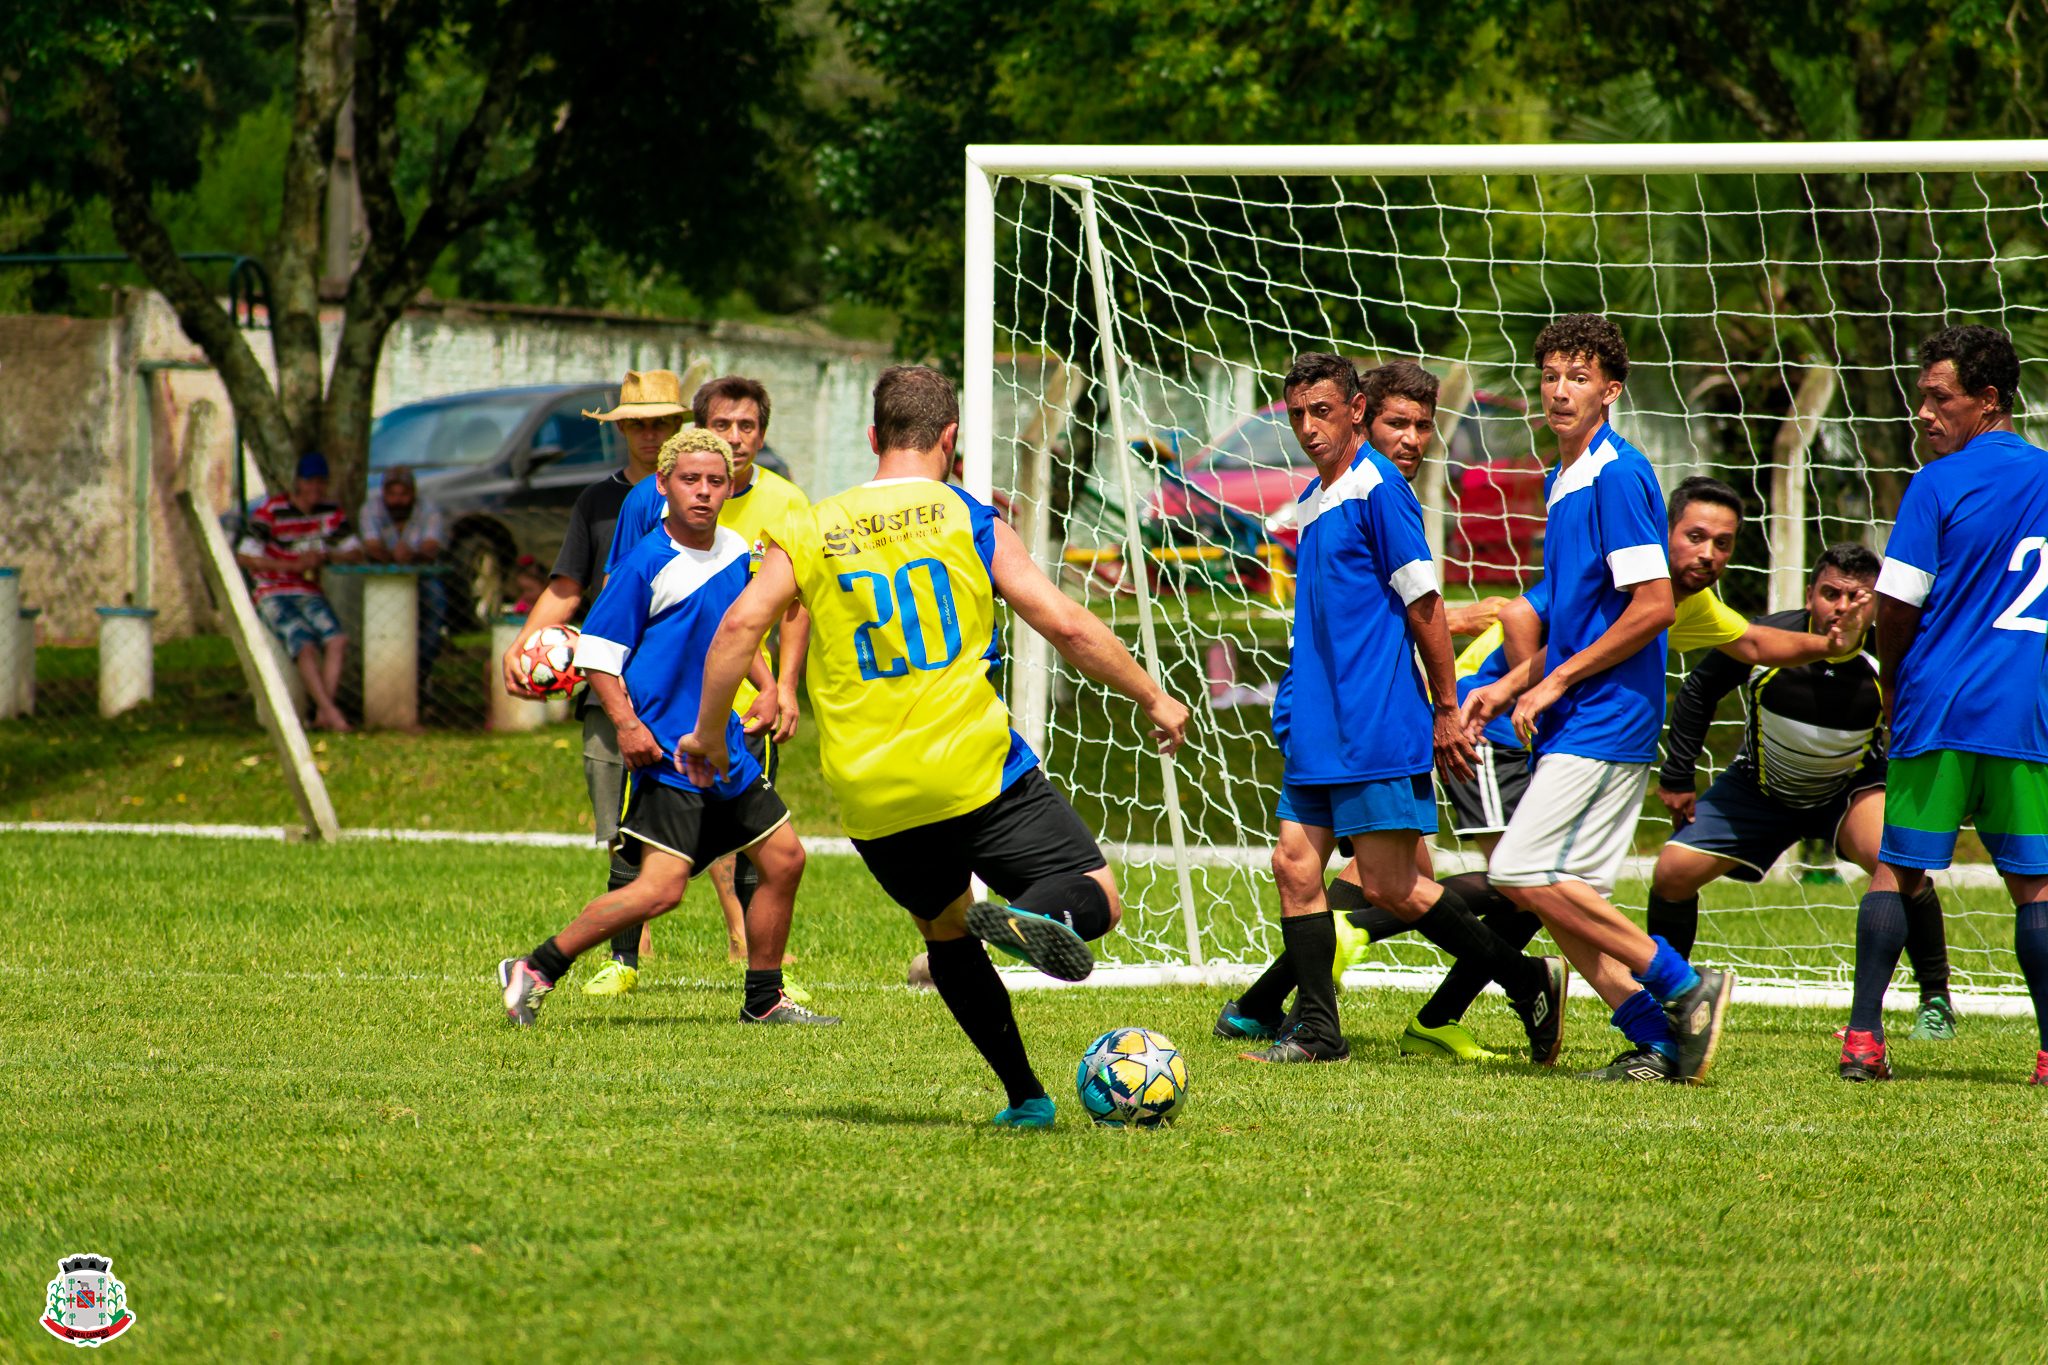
[(10, 657), (127, 658), (25, 661)]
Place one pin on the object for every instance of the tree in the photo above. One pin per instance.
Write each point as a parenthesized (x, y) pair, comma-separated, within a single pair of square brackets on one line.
[(595, 124)]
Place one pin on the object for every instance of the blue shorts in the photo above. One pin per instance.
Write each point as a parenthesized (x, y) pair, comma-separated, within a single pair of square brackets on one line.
[(1739, 821), (298, 619), (1362, 807)]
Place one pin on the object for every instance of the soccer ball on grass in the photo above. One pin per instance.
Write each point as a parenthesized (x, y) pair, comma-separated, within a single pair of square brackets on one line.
[(1132, 1077), (547, 660)]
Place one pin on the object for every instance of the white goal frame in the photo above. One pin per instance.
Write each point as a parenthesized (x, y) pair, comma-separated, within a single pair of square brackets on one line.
[(1070, 168)]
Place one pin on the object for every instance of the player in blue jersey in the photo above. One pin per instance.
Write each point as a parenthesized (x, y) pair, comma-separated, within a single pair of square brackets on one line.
[(1591, 707), (1962, 644), (643, 648), (1360, 732)]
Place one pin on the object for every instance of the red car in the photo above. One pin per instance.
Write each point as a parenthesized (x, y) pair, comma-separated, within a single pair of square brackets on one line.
[(1242, 487)]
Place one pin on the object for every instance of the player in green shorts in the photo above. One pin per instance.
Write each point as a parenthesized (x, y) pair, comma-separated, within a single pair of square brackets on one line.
[(1962, 638)]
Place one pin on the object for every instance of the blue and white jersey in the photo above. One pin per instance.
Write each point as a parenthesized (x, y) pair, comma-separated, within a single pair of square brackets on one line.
[(1356, 707), (1971, 551), (1605, 533), (1485, 661), (652, 626), (639, 515)]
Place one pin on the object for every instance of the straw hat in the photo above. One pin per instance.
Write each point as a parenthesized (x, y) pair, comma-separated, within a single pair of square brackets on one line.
[(647, 393)]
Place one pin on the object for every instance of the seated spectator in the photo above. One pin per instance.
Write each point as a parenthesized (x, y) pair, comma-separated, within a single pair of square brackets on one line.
[(400, 527), (290, 537), (529, 581)]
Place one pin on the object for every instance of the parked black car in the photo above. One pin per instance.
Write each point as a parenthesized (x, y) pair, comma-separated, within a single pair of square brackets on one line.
[(505, 466)]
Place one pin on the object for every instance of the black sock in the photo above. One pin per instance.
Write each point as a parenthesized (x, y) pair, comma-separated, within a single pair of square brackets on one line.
[(2030, 941), (746, 879), (1075, 899), (1880, 935), (972, 990), (1927, 943), (1676, 922), (626, 942), (1350, 902), (1310, 943), (550, 961), (1465, 980), (1266, 999), (763, 990), (1452, 926)]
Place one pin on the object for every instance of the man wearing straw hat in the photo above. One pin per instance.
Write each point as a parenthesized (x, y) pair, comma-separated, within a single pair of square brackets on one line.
[(649, 411)]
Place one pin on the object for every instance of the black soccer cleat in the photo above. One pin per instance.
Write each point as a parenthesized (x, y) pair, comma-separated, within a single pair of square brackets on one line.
[(1696, 1018), (1542, 1015), (1637, 1064), (1233, 1024), (1294, 1048), (1045, 943)]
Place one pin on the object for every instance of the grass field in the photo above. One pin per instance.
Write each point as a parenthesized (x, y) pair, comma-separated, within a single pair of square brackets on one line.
[(272, 1082)]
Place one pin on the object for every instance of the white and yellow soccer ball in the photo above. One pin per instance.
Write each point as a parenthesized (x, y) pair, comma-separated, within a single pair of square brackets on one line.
[(548, 660), (1132, 1077)]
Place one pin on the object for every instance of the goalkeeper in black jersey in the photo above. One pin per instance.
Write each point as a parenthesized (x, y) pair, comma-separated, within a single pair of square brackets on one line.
[(1811, 766)]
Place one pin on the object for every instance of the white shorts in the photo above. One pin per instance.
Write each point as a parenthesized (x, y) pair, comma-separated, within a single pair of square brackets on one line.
[(1575, 823)]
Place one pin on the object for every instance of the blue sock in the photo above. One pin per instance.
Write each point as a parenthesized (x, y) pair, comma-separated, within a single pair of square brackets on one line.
[(1669, 975), (2030, 941), (1643, 1022)]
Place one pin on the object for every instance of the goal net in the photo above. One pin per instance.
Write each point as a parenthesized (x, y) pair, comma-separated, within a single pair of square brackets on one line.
[(1130, 311)]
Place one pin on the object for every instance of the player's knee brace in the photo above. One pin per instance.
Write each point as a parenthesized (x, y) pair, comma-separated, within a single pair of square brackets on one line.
[(1075, 899)]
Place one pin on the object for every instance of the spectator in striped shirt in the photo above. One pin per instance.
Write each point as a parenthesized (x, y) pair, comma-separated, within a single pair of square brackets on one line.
[(290, 538)]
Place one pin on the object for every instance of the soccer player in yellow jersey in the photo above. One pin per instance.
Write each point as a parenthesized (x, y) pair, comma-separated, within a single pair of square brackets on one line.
[(901, 576)]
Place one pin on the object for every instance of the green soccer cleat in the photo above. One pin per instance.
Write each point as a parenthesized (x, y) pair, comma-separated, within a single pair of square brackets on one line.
[(614, 978), (795, 992), (1034, 1113), (1352, 942), (1043, 942), (1450, 1042), (1936, 1022)]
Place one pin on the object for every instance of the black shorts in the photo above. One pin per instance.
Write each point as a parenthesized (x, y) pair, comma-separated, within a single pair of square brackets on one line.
[(1484, 804), (1741, 822), (1025, 835), (766, 752), (692, 826)]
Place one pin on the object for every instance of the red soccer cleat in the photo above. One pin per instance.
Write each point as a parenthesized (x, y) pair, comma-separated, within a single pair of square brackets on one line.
[(2040, 1076), (1863, 1057)]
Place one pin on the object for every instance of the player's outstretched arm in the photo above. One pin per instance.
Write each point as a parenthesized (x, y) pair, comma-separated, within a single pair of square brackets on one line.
[(735, 649), (1429, 627), (1775, 648), (1081, 639), (555, 605), (1473, 618)]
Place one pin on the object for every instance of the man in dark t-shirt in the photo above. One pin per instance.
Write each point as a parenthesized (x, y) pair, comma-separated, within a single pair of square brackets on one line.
[(650, 409)]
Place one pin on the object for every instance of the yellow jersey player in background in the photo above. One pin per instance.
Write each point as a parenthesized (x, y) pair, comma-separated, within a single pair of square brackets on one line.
[(901, 576)]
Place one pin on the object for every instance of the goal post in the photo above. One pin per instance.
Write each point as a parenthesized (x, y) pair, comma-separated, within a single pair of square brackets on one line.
[(1127, 306)]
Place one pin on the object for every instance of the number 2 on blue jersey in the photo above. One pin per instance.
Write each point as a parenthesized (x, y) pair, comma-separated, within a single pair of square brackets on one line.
[(2015, 616), (884, 609)]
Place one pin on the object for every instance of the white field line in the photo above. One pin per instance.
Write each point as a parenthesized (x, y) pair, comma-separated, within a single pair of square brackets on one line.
[(1447, 860), (1831, 998)]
